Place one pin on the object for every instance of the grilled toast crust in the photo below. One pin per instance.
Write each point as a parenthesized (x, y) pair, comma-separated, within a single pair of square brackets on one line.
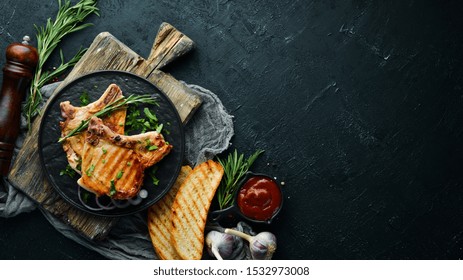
[(159, 223), (190, 208)]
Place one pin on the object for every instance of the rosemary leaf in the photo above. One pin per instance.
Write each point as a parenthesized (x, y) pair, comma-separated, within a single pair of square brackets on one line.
[(235, 167), (68, 20)]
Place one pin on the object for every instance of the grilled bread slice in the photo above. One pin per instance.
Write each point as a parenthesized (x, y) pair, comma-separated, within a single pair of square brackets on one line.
[(190, 208), (73, 117), (159, 223), (114, 164)]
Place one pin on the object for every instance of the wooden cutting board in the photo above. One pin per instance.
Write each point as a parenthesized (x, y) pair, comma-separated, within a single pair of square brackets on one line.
[(105, 53)]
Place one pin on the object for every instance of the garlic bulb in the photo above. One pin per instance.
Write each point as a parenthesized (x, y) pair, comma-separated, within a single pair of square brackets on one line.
[(262, 246), (220, 245)]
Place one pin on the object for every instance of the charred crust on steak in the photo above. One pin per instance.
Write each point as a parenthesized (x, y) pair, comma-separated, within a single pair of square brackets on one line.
[(92, 138)]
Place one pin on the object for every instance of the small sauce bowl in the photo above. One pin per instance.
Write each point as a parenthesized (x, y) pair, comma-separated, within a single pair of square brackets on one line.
[(258, 199)]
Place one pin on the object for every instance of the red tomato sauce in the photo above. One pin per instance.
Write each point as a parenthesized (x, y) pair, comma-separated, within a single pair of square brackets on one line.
[(259, 198)]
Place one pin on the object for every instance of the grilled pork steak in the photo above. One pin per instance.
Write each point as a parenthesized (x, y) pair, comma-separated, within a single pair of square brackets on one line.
[(73, 116), (114, 164)]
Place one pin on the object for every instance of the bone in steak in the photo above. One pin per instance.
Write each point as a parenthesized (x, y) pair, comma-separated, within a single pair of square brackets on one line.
[(113, 164), (73, 116)]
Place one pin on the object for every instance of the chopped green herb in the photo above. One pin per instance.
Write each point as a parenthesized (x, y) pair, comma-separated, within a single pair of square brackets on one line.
[(155, 180), (68, 171), (104, 150), (129, 163), (79, 164), (131, 118), (104, 161), (90, 170), (152, 173), (159, 128), (141, 122), (150, 147), (151, 116), (133, 121), (85, 195), (112, 188), (84, 99), (119, 174)]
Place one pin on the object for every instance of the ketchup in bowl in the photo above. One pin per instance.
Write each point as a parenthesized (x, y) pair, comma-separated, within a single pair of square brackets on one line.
[(259, 198)]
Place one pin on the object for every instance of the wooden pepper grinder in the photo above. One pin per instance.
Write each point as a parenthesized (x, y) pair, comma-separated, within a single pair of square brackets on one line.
[(21, 60)]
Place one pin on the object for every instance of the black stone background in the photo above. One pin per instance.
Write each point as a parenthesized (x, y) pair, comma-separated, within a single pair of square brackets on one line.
[(358, 104)]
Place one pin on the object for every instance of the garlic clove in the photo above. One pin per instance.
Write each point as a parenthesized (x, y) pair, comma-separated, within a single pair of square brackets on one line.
[(263, 246), (220, 245)]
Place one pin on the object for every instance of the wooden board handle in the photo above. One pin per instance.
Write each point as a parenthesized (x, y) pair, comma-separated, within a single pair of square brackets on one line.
[(169, 45), (21, 60)]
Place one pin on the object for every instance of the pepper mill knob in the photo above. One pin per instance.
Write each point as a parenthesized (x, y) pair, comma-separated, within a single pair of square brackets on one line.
[(21, 60)]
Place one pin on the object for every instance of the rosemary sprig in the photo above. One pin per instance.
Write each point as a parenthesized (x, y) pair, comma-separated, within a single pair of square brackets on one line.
[(235, 167), (68, 19), (117, 104)]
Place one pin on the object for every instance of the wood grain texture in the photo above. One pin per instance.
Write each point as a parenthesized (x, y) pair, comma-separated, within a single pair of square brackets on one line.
[(169, 45), (105, 53), (176, 91)]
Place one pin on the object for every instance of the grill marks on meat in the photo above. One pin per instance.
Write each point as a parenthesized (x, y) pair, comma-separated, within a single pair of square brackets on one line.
[(110, 163), (113, 164), (73, 116)]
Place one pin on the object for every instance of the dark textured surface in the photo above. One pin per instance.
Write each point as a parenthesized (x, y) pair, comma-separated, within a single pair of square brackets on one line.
[(358, 105)]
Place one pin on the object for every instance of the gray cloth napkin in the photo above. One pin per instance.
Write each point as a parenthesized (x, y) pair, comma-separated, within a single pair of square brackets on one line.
[(207, 134)]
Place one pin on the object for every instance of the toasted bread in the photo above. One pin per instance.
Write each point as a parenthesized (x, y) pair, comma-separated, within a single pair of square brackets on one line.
[(159, 223), (190, 208)]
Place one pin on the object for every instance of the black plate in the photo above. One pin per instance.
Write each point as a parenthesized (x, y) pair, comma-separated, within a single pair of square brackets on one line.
[(54, 159)]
